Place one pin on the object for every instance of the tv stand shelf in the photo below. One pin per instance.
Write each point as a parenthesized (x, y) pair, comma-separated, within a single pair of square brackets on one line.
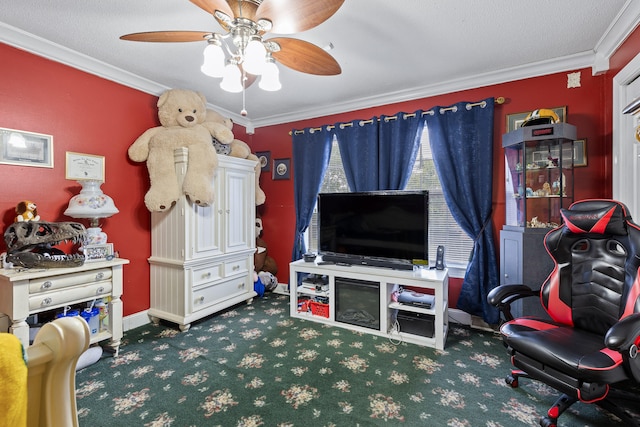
[(387, 280)]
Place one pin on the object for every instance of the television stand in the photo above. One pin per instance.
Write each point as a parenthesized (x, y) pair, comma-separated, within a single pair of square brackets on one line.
[(397, 321)]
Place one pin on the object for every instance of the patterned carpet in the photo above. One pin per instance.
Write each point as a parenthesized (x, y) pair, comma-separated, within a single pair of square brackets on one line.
[(253, 365)]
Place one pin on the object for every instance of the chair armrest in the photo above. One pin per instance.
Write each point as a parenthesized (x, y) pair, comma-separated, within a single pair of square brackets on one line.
[(623, 334), (504, 295)]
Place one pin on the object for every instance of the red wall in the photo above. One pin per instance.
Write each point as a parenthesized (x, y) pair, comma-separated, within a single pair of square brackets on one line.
[(85, 114), (88, 114)]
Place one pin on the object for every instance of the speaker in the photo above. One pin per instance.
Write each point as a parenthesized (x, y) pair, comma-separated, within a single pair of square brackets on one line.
[(440, 258)]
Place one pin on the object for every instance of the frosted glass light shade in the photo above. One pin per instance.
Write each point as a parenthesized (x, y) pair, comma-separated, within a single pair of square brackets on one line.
[(91, 202), (231, 81), (254, 57), (270, 79), (213, 64)]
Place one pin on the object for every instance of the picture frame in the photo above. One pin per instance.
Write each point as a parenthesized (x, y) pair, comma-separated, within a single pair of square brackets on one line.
[(94, 253), (580, 153), (23, 148), (84, 167), (281, 169), (514, 121), (264, 157)]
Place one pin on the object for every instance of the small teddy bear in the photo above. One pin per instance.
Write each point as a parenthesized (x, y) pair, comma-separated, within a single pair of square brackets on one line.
[(27, 210), (181, 114), (235, 148)]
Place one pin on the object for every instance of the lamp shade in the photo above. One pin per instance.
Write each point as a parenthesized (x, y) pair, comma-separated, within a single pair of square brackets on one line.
[(91, 202)]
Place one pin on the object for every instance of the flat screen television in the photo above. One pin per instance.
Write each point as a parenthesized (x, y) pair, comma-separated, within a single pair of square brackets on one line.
[(381, 229)]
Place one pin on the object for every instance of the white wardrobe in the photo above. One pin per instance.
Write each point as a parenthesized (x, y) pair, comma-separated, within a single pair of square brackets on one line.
[(202, 258)]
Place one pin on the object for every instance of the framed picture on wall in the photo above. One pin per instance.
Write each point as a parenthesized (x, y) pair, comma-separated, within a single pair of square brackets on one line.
[(264, 157), (81, 167), (514, 121), (580, 152), (19, 147), (281, 169)]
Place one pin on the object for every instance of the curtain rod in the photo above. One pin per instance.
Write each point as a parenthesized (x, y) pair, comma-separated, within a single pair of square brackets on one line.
[(499, 100)]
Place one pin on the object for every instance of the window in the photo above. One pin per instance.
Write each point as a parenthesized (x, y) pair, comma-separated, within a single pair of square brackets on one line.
[(443, 229)]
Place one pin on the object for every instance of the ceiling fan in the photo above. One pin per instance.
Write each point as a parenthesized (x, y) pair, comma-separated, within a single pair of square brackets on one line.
[(248, 54)]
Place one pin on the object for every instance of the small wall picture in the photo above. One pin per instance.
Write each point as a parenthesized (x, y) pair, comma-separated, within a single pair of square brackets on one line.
[(264, 157), (281, 169), (18, 147)]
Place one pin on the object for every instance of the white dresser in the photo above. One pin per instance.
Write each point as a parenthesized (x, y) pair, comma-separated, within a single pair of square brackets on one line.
[(24, 292), (202, 257)]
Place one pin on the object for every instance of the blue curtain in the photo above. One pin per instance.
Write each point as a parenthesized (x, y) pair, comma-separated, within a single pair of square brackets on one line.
[(462, 145), (358, 143), (311, 152), (399, 142)]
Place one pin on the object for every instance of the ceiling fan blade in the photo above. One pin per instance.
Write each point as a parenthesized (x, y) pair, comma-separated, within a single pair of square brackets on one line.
[(294, 16), (168, 36), (212, 5), (305, 57)]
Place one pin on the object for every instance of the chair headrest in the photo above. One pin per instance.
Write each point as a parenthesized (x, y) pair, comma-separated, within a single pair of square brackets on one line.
[(596, 217)]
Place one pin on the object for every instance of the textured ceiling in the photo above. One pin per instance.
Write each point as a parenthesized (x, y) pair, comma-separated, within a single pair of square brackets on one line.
[(389, 51)]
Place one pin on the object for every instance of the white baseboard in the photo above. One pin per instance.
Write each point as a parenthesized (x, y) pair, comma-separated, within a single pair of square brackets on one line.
[(459, 316), (135, 320)]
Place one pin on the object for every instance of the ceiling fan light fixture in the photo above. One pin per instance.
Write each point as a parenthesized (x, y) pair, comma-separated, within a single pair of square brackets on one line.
[(214, 58), (232, 78), (270, 80), (254, 57)]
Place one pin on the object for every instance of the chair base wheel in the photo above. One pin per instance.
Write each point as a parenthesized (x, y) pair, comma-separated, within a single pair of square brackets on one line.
[(547, 422), (512, 381)]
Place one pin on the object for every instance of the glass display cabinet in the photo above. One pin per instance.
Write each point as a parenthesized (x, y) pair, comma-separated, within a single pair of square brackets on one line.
[(539, 174), (539, 182)]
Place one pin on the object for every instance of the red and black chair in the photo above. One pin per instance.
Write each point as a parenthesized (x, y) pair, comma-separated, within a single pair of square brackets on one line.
[(588, 350)]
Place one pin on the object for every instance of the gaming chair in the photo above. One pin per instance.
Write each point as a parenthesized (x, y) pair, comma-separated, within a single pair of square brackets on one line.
[(588, 350)]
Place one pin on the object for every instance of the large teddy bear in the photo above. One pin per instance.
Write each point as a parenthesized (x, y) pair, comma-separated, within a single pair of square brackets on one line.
[(235, 148), (182, 114)]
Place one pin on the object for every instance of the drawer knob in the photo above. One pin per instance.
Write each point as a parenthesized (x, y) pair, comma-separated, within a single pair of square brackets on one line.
[(201, 299), (206, 276), (47, 284), (236, 267), (45, 302), (240, 285), (100, 290), (99, 276)]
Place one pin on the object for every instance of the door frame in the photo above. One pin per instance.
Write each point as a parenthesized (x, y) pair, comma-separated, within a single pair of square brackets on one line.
[(625, 168)]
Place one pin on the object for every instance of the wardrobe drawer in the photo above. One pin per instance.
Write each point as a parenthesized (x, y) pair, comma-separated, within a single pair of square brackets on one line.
[(238, 266), (49, 300), (66, 280), (207, 296), (209, 273)]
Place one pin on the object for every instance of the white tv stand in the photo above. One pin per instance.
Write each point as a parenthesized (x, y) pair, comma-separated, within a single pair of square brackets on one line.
[(435, 280)]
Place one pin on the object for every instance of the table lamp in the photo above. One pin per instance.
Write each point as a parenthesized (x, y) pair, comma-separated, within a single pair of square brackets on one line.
[(93, 204)]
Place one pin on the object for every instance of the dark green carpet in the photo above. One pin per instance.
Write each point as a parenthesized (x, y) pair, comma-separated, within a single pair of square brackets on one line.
[(255, 366)]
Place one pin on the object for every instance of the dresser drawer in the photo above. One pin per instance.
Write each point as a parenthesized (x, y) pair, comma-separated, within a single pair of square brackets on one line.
[(66, 280), (209, 295), (238, 266), (48, 300), (202, 275)]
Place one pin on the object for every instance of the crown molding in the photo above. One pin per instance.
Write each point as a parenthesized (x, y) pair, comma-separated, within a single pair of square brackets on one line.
[(598, 60)]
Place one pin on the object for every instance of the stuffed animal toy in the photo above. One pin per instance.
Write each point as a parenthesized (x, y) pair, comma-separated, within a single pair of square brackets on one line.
[(262, 260), (181, 114), (269, 281), (27, 211), (235, 148)]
